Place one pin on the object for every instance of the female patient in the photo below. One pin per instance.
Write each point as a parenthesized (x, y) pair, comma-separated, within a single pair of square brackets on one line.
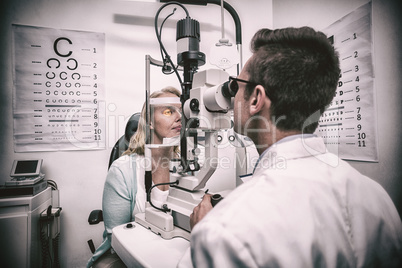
[(124, 192)]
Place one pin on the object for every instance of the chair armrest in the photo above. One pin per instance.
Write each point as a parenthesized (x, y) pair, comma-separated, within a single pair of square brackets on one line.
[(95, 217)]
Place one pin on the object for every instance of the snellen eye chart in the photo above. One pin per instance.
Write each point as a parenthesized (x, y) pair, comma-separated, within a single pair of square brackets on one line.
[(348, 125), (59, 94)]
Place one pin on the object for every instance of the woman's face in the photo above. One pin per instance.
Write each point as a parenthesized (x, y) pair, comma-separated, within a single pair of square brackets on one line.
[(166, 120)]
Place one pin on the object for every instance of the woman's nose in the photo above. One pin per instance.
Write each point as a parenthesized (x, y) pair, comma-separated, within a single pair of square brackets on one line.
[(178, 116)]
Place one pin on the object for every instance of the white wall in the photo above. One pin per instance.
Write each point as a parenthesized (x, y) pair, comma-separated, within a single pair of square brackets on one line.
[(130, 36), (387, 42)]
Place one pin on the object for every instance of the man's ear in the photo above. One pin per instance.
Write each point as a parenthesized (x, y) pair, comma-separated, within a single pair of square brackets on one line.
[(258, 100)]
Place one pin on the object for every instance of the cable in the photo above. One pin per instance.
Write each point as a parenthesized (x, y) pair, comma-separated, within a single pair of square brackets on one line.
[(53, 184), (166, 68), (160, 41), (46, 256), (159, 37), (165, 208), (56, 261)]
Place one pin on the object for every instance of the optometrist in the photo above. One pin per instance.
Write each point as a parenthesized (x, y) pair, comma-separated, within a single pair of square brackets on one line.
[(312, 209)]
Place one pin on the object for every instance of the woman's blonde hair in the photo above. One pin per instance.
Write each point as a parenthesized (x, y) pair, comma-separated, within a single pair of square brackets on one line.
[(137, 141)]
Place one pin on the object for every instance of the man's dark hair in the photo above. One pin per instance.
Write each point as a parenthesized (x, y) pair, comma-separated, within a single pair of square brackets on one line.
[(299, 69)]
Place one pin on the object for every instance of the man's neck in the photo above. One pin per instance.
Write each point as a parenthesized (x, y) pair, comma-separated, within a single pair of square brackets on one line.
[(263, 142)]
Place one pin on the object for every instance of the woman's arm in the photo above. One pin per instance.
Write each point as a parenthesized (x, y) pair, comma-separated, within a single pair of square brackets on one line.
[(116, 202)]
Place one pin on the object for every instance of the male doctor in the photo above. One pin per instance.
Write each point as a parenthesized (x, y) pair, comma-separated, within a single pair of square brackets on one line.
[(302, 206)]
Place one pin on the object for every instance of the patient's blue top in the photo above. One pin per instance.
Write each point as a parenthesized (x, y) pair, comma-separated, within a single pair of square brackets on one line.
[(124, 196), (119, 198)]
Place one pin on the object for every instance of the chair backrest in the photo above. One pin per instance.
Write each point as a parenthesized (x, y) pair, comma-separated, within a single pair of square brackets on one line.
[(122, 144)]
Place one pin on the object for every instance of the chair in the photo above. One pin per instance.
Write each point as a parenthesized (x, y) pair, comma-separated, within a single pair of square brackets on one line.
[(122, 144), (96, 216)]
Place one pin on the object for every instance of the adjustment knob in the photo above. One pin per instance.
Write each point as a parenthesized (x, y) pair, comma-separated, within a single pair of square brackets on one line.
[(195, 105)]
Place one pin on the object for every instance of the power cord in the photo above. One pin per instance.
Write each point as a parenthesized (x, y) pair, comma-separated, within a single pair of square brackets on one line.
[(166, 68), (52, 184), (44, 237), (56, 261), (158, 36), (164, 207), (49, 230)]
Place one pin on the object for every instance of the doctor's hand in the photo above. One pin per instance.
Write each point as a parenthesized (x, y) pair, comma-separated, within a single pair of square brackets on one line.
[(201, 210)]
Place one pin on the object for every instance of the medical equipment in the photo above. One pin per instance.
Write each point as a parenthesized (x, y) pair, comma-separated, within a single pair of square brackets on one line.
[(50, 236), (25, 172), (206, 103), (206, 110), (232, 12)]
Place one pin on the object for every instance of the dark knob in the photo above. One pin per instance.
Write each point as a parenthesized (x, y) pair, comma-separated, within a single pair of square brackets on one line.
[(195, 105), (215, 199)]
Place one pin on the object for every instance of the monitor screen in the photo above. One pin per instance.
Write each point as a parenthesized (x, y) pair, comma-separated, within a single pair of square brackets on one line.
[(25, 168)]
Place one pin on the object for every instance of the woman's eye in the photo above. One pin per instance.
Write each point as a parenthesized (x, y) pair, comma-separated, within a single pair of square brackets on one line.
[(167, 112)]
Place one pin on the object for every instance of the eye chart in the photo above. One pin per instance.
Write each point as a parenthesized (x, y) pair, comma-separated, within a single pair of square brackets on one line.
[(58, 89), (348, 126)]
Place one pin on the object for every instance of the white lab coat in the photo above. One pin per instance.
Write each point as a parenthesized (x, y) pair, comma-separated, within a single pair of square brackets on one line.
[(303, 207)]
